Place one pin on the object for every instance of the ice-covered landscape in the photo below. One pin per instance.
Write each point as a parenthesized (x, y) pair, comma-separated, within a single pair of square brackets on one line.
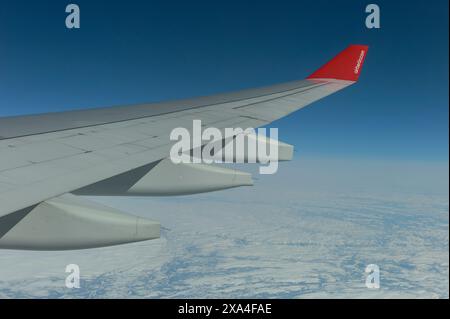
[(307, 232)]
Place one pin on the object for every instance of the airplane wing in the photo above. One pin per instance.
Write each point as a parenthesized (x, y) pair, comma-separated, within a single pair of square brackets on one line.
[(47, 161)]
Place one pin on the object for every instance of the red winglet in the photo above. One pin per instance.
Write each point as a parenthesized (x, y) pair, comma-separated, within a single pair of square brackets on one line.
[(344, 66)]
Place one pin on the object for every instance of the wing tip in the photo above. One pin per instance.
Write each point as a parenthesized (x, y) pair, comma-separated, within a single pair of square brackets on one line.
[(346, 65)]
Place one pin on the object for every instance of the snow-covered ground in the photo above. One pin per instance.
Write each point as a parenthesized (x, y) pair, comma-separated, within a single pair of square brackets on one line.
[(307, 232)]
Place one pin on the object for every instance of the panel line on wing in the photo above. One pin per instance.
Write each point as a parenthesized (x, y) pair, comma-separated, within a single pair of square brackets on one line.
[(310, 85)]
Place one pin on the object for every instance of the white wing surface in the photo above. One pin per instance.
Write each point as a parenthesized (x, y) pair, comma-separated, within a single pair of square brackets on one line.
[(47, 160)]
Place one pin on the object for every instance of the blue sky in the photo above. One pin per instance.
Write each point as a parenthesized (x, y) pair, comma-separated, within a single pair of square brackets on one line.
[(141, 51)]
